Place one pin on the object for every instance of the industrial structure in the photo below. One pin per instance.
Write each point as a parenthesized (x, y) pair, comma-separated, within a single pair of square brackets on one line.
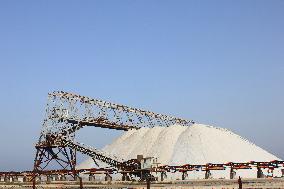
[(57, 147), (66, 113)]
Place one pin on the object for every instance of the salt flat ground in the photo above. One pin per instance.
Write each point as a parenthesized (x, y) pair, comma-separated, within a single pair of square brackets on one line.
[(276, 183)]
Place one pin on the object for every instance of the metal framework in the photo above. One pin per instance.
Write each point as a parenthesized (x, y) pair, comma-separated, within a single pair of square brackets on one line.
[(162, 169), (66, 113)]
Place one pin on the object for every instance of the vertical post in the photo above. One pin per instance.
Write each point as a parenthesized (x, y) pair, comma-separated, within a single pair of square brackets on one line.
[(162, 176), (259, 172), (34, 183), (240, 183), (7, 178), (184, 175), (148, 183), (91, 177), (232, 173), (108, 177), (81, 182), (207, 174), (63, 177)]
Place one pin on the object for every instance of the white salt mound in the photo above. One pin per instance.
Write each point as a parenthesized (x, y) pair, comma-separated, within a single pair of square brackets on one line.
[(179, 145)]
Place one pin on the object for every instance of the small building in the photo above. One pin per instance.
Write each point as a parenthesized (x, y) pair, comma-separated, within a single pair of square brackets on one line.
[(147, 162)]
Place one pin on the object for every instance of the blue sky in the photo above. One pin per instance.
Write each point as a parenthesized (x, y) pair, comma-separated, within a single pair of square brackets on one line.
[(216, 62)]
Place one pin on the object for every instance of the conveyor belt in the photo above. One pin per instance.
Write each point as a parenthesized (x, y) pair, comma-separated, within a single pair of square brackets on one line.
[(100, 155)]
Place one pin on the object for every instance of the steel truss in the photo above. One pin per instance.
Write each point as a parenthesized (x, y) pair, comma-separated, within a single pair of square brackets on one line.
[(63, 156), (66, 113)]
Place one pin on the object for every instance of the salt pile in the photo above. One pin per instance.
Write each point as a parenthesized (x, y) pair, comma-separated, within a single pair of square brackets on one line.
[(179, 145)]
